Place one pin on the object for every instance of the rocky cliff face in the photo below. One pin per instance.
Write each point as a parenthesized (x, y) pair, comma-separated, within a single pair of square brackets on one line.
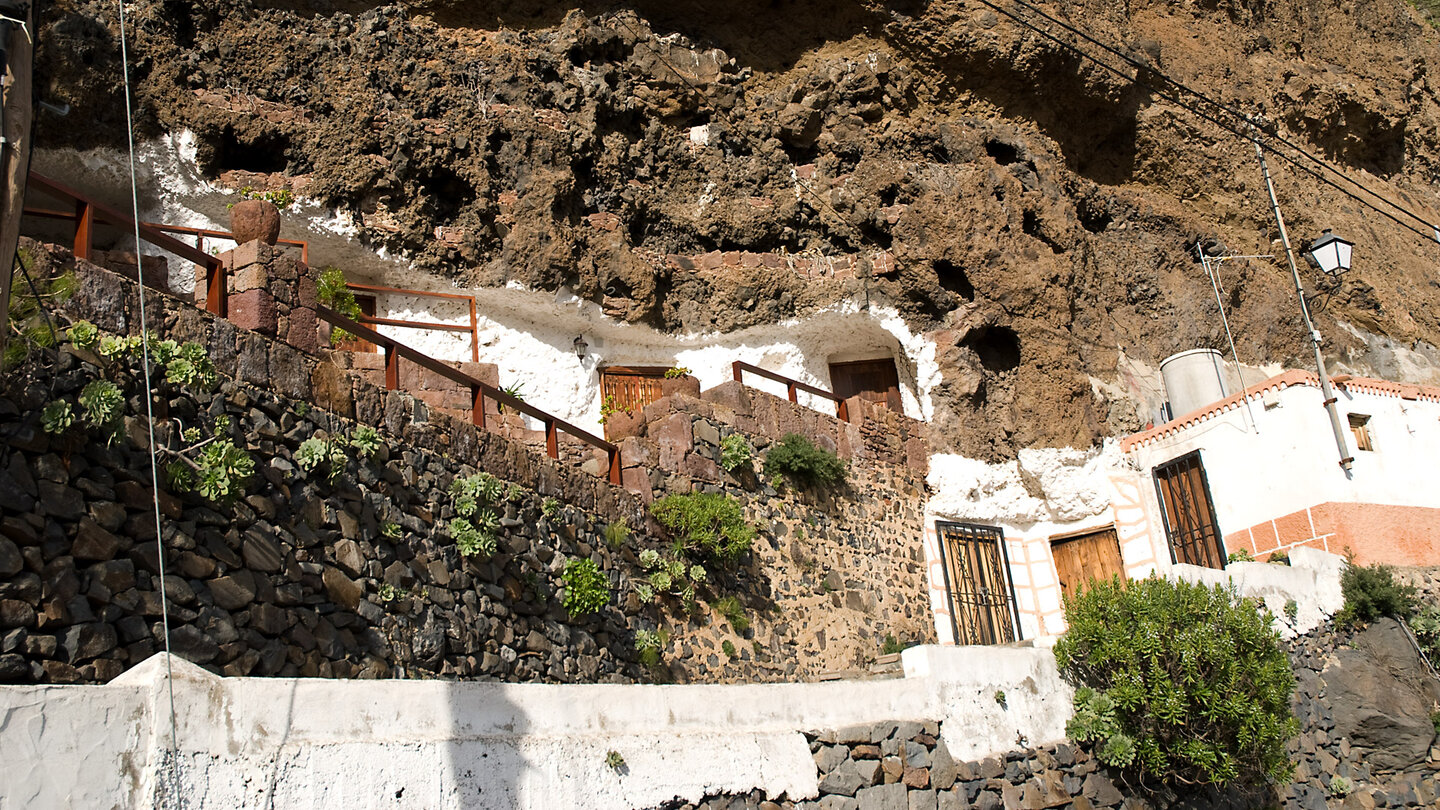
[(1035, 214)]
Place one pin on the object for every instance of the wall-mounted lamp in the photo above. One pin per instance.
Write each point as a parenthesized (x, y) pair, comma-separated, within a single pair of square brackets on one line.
[(1331, 253), (581, 347)]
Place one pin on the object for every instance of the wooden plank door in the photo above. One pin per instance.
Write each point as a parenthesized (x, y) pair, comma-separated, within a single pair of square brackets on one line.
[(630, 387), (977, 576), (871, 380), (1083, 558), (1189, 512)]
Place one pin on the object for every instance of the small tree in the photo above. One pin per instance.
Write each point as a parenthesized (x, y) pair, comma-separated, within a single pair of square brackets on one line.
[(1179, 682)]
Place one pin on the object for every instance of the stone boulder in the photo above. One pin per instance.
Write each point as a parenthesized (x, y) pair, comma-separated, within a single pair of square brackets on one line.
[(1381, 695), (255, 219)]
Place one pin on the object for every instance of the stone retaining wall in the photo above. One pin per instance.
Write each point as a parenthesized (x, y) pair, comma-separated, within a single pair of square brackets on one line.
[(299, 578)]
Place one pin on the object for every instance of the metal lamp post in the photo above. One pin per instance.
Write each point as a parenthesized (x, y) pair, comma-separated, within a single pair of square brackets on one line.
[(1332, 254)]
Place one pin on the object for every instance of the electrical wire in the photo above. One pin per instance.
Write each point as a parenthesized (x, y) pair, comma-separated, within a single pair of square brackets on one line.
[(174, 763), (1228, 109), (1246, 127)]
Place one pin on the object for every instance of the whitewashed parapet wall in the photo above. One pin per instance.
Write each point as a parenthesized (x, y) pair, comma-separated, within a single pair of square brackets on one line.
[(304, 743)]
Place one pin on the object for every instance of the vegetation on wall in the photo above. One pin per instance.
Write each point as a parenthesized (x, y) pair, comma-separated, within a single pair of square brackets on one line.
[(333, 291), (798, 458), (1178, 682), (1371, 592), (706, 525)]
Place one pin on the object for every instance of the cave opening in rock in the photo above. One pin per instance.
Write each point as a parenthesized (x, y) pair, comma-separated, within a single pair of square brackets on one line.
[(265, 154), (446, 192), (998, 347), (1001, 152), (953, 279), (1030, 224)]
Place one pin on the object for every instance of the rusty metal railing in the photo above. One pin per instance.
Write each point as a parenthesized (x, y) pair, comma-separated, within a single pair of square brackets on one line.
[(792, 386), (473, 328), (479, 391), (89, 212)]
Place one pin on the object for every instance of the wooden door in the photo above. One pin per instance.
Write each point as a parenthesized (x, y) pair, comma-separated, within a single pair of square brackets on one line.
[(977, 576), (630, 387), (1083, 558), (1189, 513), (871, 380), (367, 310)]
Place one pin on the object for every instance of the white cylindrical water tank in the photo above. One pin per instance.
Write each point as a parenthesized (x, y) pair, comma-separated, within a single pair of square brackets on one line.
[(1193, 380)]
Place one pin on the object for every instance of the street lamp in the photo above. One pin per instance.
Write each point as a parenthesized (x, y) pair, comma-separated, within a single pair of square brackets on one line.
[(580, 346), (1331, 253)]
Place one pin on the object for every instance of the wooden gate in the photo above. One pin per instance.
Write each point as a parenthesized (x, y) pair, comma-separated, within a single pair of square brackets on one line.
[(977, 576), (630, 388), (1189, 513), (1081, 558), (871, 380)]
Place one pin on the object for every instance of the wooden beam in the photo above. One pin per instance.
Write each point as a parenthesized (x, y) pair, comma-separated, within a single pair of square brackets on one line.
[(15, 154)]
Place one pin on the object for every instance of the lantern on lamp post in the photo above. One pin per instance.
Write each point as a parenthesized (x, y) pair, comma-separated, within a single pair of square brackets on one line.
[(1330, 253)]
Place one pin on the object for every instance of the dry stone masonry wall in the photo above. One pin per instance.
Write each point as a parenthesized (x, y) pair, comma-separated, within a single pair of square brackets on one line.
[(357, 576)]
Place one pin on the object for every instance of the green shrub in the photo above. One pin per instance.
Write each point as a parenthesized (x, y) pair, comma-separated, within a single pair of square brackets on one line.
[(1340, 786), (733, 611), (57, 417), (1240, 555), (1425, 624), (1180, 682), (1371, 592), (728, 647), (1279, 558), (892, 646), (586, 588), (365, 440), (101, 400), (332, 291), (735, 452), (799, 458), (706, 525)]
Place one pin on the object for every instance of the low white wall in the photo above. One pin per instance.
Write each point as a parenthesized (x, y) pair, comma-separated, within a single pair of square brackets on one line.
[(281, 743), (1312, 579)]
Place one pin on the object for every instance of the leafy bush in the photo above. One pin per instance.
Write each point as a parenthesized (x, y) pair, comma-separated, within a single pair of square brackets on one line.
[(84, 335), (315, 451), (332, 291), (220, 473), (735, 452), (476, 527), (1425, 624), (101, 400), (728, 647), (1240, 555), (586, 588), (675, 372), (707, 525), (57, 417), (799, 458), (1371, 592), (1178, 681), (365, 440)]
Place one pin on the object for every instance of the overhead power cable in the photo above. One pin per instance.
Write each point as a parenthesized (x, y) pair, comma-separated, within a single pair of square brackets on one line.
[(1244, 126)]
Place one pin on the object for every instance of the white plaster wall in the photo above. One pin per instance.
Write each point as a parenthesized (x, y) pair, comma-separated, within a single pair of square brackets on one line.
[(1043, 493), (1312, 579), (303, 743), (1288, 461)]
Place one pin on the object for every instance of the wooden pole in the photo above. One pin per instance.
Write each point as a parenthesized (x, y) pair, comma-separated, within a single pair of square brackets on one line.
[(15, 90)]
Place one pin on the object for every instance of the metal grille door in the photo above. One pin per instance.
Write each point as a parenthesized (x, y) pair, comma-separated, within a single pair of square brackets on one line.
[(1189, 513), (977, 575)]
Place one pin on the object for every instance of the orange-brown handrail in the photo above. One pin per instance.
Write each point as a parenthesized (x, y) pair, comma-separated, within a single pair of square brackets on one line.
[(479, 391), (198, 233), (88, 211), (473, 328), (842, 411)]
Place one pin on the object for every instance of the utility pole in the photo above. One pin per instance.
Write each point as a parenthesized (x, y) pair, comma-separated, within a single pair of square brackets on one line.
[(1314, 334)]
